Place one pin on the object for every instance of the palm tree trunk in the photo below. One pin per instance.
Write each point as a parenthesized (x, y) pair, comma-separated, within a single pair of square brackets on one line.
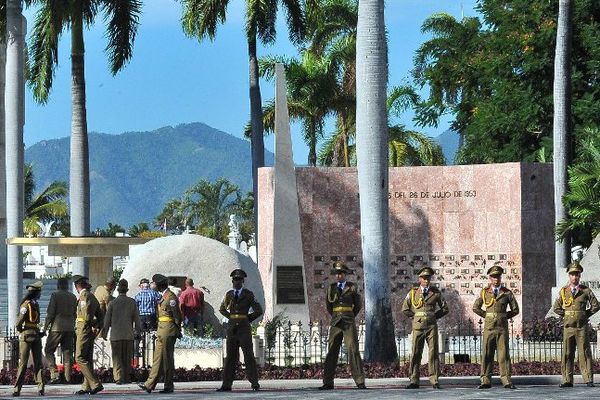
[(562, 126), (79, 186), (372, 163), (14, 108), (257, 142), (2, 162), (312, 143)]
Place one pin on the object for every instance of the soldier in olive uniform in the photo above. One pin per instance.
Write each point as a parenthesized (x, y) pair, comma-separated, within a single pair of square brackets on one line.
[(236, 307), (496, 299), (104, 294), (123, 320), (576, 303), (169, 330), (343, 304), (420, 306), (60, 319), (89, 322), (30, 338)]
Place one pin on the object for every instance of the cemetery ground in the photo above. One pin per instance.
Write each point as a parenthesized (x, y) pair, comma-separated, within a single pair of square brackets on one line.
[(452, 387)]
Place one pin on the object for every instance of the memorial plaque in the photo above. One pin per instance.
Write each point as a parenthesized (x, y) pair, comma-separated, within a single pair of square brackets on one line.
[(290, 285)]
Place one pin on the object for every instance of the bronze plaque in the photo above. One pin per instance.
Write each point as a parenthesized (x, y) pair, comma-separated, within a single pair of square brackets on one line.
[(290, 285)]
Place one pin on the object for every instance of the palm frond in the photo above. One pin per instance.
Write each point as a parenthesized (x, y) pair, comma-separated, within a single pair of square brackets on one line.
[(201, 18), (123, 21), (50, 21), (295, 20)]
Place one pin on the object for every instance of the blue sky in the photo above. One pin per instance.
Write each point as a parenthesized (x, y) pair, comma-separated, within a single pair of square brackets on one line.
[(173, 79)]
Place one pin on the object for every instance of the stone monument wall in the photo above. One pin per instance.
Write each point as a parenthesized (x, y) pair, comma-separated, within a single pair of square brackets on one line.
[(459, 220)]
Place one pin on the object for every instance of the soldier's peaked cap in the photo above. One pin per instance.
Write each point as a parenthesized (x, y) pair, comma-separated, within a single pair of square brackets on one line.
[(238, 273), (159, 279), (426, 271), (495, 270), (341, 267), (574, 267), (79, 278), (35, 286)]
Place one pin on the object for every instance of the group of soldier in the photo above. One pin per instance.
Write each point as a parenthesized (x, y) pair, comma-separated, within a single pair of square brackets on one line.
[(425, 305), (85, 317)]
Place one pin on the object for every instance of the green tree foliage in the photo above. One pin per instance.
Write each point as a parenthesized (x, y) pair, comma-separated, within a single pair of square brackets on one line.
[(494, 73), (48, 205), (110, 231), (583, 197), (137, 229), (205, 208)]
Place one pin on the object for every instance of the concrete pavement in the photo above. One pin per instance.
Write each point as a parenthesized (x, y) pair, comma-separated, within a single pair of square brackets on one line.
[(452, 387)]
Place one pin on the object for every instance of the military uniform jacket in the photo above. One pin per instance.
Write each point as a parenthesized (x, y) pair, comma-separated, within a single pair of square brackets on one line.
[(422, 310), (121, 317), (343, 307), (496, 312), (104, 298), (62, 312), (88, 311), (28, 320), (169, 315), (238, 311), (576, 309)]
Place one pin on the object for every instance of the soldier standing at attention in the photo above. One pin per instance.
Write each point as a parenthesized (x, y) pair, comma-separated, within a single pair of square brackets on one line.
[(343, 304), (30, 338), (89, 322), (420, 306), (60, 319), (576, 303), (121, 318), (236, 307), (496, 299), (169, 330)]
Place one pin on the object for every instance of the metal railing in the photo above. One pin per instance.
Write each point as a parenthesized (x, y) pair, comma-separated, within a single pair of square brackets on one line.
[(288, 344)]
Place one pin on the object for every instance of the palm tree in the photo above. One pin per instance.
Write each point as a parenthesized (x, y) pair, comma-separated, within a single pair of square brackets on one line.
[(208, 206), (562, 125), (2, 136), (48, 205), (373, 179), (51, 19), (14, 114), (406, 147), (582, 200), (201, 18)]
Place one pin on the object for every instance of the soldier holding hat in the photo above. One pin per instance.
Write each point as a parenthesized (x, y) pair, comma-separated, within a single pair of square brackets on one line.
[(30, 338), (576, 303), (497, 300), (169, 330), (424, 305), (343, 304), (88, 324), (236, 307), (60, 320), (123, 321)]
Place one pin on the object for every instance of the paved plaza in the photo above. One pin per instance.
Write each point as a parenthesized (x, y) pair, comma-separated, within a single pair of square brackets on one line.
[(452, 388)]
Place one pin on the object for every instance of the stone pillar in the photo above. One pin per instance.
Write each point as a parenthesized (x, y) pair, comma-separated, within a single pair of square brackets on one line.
[(101, 269)]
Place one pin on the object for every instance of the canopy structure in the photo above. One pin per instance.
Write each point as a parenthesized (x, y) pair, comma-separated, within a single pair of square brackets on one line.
[(100, 250)]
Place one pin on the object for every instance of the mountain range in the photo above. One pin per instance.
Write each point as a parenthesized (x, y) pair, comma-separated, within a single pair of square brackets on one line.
[(133, 174)]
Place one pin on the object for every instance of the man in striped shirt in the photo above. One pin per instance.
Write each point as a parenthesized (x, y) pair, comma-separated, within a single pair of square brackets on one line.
[(147, 300)]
